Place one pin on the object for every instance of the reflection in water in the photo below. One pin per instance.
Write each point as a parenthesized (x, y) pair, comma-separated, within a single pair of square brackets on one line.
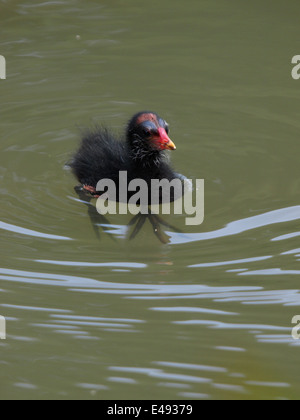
[(100, 222), (157, 223), (234, 228), (244, 294)]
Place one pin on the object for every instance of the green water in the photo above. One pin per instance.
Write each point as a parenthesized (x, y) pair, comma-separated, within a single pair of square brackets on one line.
[(207, 315)]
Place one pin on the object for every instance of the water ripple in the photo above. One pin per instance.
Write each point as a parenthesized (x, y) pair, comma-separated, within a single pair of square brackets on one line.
[(29, 232), (218, 264), (87, 264), (223, 325), (160, 374), (239, 226)]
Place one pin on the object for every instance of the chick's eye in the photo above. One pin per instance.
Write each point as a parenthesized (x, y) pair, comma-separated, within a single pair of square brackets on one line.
[(147, 132), (167, 128)]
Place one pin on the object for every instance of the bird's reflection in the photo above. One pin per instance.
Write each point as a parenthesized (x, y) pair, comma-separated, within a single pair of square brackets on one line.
[(134, 227)]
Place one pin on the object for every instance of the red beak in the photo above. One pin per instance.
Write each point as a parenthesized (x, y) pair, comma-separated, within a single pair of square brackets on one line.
[(164, 141)]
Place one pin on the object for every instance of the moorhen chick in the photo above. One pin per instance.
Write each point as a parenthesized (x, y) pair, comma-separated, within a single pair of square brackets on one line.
[(102, 156)]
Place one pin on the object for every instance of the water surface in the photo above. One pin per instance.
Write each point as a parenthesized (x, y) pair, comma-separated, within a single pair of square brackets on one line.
[(209, 314)]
